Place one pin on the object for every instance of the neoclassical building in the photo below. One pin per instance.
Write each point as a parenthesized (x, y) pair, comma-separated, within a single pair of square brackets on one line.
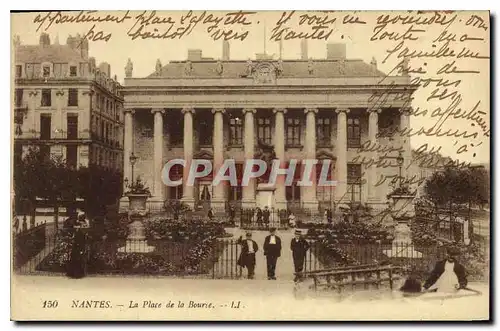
[(305, 109)]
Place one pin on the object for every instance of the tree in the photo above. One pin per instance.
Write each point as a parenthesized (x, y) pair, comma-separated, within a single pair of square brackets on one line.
[(458, 186)]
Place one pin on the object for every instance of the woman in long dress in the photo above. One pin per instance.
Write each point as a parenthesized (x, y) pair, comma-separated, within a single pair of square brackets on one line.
[(77, 264)]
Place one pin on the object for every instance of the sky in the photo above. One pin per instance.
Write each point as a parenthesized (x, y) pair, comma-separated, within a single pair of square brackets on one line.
[(362, 43)]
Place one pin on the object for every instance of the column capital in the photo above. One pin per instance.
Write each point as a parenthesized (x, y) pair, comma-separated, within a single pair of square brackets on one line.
[(279, 110), (129, 110), (309, 110), (342, 110), (374, 110), (249, 110), (157, 110), (187, 109), (218, 110), (88, 92), (59, 92)]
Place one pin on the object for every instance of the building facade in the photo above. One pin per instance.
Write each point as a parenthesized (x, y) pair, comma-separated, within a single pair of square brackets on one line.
[(202, 108), (65, 105)]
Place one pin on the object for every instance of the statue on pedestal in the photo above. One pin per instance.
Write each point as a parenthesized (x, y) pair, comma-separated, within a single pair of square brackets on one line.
[(129, 69), (158, 68), (267, 154)]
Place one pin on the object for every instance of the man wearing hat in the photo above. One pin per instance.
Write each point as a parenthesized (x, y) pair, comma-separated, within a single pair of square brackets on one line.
[(448, 274), (272, 250), (299, 247), (247, 257)]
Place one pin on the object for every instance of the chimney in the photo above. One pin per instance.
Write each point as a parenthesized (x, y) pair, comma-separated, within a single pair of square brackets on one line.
[(84, 48), (225, 50), (303, 49), (336, 51), (374, 63), (105, 68), (70, 42), (194, 54), (44, 40)]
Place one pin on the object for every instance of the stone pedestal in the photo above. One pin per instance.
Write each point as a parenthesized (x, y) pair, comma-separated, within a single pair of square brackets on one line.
[(265, 196), (403, 213), (136, 241)]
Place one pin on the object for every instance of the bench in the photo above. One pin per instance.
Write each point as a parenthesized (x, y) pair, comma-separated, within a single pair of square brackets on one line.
[(353, 276)]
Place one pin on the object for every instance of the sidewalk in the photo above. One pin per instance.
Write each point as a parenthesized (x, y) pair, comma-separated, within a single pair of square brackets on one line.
[(258, 300)]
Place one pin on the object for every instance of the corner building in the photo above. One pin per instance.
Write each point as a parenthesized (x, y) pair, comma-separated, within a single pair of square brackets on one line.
[(202, 108), (65, 105)]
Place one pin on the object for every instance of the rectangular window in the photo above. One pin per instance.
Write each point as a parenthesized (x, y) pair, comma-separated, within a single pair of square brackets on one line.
[(71, 155), (18, 97), (72, 71), (293, 192), (235, 131), (323, 131), (353, 132), (354, 182), (72, 97), (19, 71), (46, 98), (205, 130), (325, 193), (72, 121), (293, 131), (176, 129), (175, 192), (44, 152), (46, 71), (264, 130), (45, 126)]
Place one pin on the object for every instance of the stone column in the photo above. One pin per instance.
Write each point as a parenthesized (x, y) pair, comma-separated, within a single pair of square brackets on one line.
[(128, 140), (405, 140), (309, 196), (188, 190), (128, 143), (158, 154), (248, 200), (372, 170), (279, 148), (218, 141), (341, 149)]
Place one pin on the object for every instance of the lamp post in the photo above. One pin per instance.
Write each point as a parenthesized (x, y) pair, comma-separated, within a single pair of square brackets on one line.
[(133, 160), (400, 160)]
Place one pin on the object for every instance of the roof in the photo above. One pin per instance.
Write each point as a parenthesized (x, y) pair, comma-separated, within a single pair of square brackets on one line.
[(291, 68), (50, 53)]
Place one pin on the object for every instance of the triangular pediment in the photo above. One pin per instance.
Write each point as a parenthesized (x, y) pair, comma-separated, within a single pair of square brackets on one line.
[(324, 155), (204, 155)]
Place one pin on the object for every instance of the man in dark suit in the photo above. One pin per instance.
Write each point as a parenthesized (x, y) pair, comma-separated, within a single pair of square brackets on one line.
[(272, 250), (448, 274), (299, 247), (247, 257), (265, 215)]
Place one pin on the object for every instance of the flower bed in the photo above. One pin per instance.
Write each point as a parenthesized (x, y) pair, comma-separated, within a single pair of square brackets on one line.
[(351, 233), (161, 228), (330, 255), (180, 248)]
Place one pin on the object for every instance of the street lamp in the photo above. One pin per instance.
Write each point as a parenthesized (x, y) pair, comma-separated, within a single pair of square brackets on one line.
[(133, 160), (400, 160)]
